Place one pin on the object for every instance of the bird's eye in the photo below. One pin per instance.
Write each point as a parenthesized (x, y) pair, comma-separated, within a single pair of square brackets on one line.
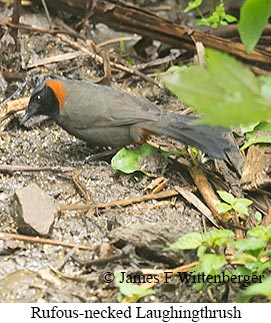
[(38, 98)]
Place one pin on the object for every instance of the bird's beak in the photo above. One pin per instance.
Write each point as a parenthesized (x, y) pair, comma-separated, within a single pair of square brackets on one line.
[(30, 111), (25, 118)]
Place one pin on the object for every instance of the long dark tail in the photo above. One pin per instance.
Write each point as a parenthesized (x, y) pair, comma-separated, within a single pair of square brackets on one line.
[(213, 141)]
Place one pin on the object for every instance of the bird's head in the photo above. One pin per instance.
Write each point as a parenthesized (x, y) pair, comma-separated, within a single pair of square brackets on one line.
[(47, 99)]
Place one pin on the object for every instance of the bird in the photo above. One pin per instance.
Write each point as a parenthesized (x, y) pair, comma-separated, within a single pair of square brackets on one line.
[(107, 117)]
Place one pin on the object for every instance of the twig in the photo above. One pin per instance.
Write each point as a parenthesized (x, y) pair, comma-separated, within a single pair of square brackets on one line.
[(104, 261), (21, 168), (194, 200), (47, 12), (161, 185), (99, 59), (56, 59), (8, 108), (80, 187), (14, 236), (15, 19), (267, 218), (38, 29), (120, 203), (106, 79), (260, 71), (11, 76), (138, 199), (170, 273), (67, 257), (117, 40), (81, 278), (207, 193)]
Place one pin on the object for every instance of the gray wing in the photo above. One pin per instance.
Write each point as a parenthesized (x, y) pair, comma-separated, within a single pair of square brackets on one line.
[(109, 107)]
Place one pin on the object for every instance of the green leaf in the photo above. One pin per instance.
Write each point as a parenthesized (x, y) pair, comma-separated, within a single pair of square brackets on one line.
[(224, 207), (241, 270), (263, 288), (132, 291), (230, 18), (261, 231), (201, 250), (189, 241), (249, 244), (122, 48), (258, 217), (127, 160), (257, 266), (261, 134), (258, 231), (259, 140), (242, 257), (254, 15), (227, 93), (249, 127), (217, 18), (239, 207), (227, 197), (241, 204), (193, 5), (210, 264), (244, 201), (217, 238)]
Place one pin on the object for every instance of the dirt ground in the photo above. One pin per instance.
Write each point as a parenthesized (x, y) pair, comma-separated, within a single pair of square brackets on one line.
[(40, 272)]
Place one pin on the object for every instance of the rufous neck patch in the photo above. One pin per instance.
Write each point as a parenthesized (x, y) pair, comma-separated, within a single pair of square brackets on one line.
[(58, 88)]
